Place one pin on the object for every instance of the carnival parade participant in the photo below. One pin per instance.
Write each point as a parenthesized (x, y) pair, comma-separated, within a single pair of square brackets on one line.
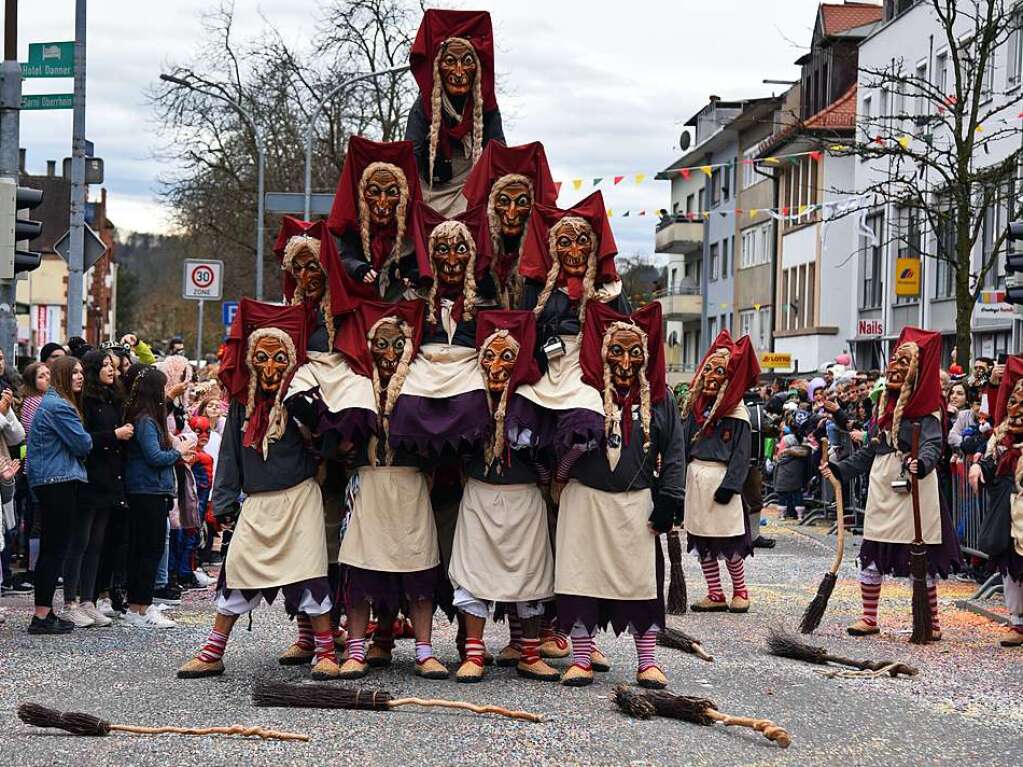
[(911, 399), (371, 214), (609, 570), (1001, 471), (502, 551), (456, 114), (390, 548), (717, 438), (279, 541), (509, 180)]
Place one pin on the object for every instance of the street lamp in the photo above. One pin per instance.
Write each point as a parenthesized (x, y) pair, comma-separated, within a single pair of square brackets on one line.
[(260, 162), (312, 122)]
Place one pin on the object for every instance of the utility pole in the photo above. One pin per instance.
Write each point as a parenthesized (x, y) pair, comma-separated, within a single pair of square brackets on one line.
[(10, 105), (76, 250)]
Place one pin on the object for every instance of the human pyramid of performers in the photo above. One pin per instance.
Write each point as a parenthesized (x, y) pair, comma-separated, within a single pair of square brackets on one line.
[(456, 408)]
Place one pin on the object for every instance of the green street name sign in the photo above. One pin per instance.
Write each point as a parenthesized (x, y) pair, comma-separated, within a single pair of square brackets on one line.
[(50, 60), (48, 101)]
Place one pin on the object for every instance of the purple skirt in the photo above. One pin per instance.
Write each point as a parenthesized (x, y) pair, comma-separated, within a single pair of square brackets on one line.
[(389, 592), (319, 589), (722, 548), (619, 614), (354, 424), (559, 429), (1008, 563), (893, 558), (428, 425)]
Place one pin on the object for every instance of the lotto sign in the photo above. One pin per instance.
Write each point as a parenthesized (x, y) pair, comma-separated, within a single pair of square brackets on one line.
[(775, 360), (203, 280)]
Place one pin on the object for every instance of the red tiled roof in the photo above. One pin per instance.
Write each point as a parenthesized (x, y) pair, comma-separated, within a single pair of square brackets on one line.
[(839, 115), (840, 18)]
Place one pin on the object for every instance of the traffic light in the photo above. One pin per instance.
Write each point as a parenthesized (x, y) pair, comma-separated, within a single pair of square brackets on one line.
[(1014, 265), (15, 229)]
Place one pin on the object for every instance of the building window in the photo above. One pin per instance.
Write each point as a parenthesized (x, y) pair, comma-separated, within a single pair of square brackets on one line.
[(724, 258), (908, 244), (749, 168), (1014, 51), (941, 70), (746, 319), (715, 186), (691, 203), (866, 116), (726, 180), (712, 327), (872, 263), (798, 308), (801, 192), (726, 323), (945, 236), (763, 328), (714, 258), (922, 102)]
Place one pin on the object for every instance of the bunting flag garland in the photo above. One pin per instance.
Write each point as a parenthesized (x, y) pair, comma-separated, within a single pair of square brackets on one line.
[(904, 141), (557, 187), (685, 171), (706, 170), (577, 183), (596, 181), (618, 179), (786, 213)]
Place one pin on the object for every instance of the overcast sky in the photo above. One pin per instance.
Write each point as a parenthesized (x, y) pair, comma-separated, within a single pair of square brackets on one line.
[(605, 85)]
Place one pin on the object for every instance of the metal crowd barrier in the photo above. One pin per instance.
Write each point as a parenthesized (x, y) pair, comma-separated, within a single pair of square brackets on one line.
[(967, 509)]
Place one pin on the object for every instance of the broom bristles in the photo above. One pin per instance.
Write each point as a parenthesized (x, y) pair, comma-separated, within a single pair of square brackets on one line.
[(785, 645), (922, 627), (72, 721), (633, 702), (678, 596), (683, 707), (678, 640), (284, 695), (815, 610)]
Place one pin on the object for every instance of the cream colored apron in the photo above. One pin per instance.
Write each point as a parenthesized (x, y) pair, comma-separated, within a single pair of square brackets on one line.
[(1016, 511), (447, 198), (443, 370), (502, 550), (392, 528), (605, 548), (703, 515), (340, 387), (279, 539), (562, 387), (889, 512)]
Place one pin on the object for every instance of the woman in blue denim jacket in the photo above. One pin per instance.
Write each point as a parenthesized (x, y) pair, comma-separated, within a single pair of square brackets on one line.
[(57, 447), (150, 488)]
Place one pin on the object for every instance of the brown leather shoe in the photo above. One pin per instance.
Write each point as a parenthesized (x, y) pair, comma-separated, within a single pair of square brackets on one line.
[(197, 669), (431, 668), (577, 676), (378, 656), (935, 635), (296, 655), (537, 670), (353, 669), (708, 605), (739, 605), (1014, 639), (469, 672), (327, 668), (488, 657), (509, 656), (599, 661), (862, 629), (652, 679), (554, 646)]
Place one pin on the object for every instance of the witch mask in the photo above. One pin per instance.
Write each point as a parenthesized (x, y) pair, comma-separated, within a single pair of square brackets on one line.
[(625, 357), (308, 273), (270, 360), (497, 358), (900, 369), (513, 202), (1014, 409), (451, 250), (573, 245), (458, 66), (387, 345), (715, 373), (382, 190)]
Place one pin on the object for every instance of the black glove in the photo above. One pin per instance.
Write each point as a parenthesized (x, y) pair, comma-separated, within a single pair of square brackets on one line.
[(835, 470), (723, 495), (663, 517)]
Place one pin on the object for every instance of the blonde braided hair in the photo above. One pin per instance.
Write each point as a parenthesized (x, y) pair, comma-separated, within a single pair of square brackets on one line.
[(495, 445), (438, 95), (904, 394), (311, 245), (644, 383), (278, 420), (386, 399), (696, 391), (589, 279), (510, 294), (399, 217), (451, 229)]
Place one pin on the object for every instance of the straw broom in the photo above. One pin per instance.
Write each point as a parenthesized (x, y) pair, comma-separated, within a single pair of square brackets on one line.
[(645, 704), (680, 640), (281, 694), (88, 725), (787, 646), (678, 596), (922, 626), (815, 610)]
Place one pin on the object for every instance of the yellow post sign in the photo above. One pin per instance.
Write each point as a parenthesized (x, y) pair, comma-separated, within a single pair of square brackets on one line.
[(907, 276), (775, 360)]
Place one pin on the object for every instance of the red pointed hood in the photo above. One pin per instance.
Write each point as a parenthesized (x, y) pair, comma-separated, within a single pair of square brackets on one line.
[(352, 339), (498, 160), (743, 372), (599, 317), (337, 282), (926, 397), (1013, 374), (521, 325), (251, 316), (439, 25)]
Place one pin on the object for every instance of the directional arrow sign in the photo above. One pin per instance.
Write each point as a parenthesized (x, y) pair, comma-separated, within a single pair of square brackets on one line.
[(94, 247)]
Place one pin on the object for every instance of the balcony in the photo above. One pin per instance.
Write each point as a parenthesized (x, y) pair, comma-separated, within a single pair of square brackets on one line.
[(680, 302), (678, 234)]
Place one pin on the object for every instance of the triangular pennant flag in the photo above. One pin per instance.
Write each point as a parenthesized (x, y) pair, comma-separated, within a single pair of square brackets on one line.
[(794, 160), (618, 179), (979, 129), (685, 171), (785, 211), (706, 215), (610, 213), (757, 306), (642, 212), (625, 214), (738, 211), (904, 141), (753, 212), (723, 213), (640, 177), (802, 209), (1020, 115), (557, 187), (706, 170), (839, 148), (577, 182), (596, 181), (815, 155), (772, 161)]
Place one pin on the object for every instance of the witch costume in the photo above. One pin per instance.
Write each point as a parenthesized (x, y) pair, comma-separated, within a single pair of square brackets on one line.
[(911, 399)]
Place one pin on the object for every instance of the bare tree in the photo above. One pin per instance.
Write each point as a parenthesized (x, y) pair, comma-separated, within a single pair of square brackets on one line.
[(936, 135)]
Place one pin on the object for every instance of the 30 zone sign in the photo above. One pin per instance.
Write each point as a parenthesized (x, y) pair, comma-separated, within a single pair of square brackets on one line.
[(203, 280)]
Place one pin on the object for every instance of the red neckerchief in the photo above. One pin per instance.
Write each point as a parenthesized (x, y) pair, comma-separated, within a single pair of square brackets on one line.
[(457, 131), (381, 243), (626, 406), (1007, 461), (700, 409), (457, 309), (883, 421), (573, 286), (258, 423)]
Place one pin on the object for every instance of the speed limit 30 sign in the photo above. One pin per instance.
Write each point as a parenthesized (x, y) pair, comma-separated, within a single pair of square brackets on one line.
[(203, 279)]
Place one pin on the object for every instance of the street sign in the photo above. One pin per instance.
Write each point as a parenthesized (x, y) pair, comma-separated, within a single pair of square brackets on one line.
[(228, 310), (290, 203), (95, 248), (907, 276), (48, 101), (203, 279), (93, 169), (50, 60), (775, 360)]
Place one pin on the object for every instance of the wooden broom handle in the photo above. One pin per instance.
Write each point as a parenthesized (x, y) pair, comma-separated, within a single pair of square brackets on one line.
[(235, 729), (525, 715), (766, 727), (874, 665), (839, 509), (918, 535)]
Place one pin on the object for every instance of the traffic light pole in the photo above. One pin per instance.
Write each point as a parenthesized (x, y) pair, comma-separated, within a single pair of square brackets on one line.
[(76, 249), (10, 103)]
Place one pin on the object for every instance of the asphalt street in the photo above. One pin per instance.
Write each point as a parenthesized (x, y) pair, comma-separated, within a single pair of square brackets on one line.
[(964, 708)]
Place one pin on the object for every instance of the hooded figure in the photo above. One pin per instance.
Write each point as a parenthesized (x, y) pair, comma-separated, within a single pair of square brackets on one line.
[(510, 180), (456, 113), (501, 552), (911, 398), (444, 402), (279, 541), (1001, 471), (608, 570), (371, 214), (717, 433)]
